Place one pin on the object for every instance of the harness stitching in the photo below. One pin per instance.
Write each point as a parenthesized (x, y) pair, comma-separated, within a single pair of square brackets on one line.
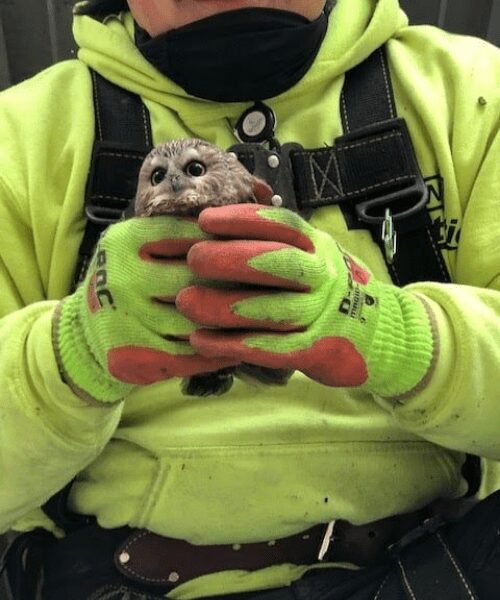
[(386, 80), (97, 105), (344, 111), (455, 564), (382, 585), (405, 581)]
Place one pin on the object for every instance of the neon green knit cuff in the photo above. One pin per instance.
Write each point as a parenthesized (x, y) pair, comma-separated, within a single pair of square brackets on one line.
[(79, 368), (403, 347)]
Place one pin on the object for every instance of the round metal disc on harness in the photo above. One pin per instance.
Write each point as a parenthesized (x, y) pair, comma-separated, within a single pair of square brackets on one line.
[(256, 125)]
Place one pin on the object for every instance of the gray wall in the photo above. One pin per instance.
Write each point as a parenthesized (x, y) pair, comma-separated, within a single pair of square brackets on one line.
[(472, 17), (36, 33)]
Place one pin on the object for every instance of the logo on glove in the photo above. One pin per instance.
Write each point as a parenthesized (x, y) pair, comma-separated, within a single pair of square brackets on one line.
[(355, 299), (97, 294)]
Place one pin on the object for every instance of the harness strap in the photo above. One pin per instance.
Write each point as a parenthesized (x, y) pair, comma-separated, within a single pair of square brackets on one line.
[(368, 97), (22, 561), (426, 570), (122, 140), (430, 570)]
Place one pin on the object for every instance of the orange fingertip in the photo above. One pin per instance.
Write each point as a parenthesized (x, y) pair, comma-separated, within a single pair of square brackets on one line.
[(143, 366), (218, 219), (248, 221), (229, 261), (214, 308)]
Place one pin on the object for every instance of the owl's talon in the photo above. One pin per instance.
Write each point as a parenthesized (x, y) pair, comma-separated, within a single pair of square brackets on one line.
[(208, 384)]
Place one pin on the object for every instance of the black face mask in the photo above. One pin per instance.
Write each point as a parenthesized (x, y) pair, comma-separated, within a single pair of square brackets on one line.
[(247, 54)]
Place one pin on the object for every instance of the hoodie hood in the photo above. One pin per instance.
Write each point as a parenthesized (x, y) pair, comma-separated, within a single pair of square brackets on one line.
[(356, 28)]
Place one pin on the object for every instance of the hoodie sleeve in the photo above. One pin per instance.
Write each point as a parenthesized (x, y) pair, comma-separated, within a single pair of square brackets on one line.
[(460, 408), (47, 434)]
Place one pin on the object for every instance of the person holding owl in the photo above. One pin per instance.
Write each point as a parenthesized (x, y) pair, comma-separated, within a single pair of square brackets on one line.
[(347, 481)]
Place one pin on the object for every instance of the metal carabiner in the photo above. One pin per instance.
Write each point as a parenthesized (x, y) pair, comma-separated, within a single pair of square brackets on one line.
[(389, 237)]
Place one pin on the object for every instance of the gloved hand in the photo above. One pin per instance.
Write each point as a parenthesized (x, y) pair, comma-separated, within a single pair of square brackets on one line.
[(323, 313), (121, 328)]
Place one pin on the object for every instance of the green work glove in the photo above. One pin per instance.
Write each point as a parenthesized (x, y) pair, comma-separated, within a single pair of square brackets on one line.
[(120, 328), (316, 309)]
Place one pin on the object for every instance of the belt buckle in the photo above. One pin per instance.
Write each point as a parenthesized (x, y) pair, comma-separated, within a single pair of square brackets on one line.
[(326, 541)]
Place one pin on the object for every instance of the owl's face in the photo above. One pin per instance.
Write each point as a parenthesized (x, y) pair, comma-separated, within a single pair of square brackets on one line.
[(183, 177)]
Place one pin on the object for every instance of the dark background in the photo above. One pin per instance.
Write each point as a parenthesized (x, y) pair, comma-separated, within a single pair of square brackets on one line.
[(36, 33)]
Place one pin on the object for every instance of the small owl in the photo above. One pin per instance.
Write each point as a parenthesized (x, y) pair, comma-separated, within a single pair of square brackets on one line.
[(182, 177)]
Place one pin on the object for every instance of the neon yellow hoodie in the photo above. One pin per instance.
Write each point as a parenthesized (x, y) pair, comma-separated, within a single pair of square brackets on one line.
[(257, 463)]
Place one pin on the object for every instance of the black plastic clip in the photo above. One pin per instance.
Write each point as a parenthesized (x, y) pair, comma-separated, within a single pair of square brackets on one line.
[(274, 167), (403, 203), (378, 170)]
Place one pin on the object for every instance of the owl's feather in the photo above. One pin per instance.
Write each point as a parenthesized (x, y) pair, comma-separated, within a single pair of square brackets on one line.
[(182, 177)]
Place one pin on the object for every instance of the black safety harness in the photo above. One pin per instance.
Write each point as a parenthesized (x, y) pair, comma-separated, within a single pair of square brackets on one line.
[(371, 172)]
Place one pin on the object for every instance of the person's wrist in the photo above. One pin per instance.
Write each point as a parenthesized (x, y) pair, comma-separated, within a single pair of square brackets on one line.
[(78, 365), (403, 347)]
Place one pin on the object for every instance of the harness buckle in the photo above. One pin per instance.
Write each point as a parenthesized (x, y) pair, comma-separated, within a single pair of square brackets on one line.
[(378, 169), (109, 199), (275, 167)]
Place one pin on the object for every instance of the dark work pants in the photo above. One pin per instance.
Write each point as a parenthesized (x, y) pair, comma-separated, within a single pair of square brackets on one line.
[(459, 561)]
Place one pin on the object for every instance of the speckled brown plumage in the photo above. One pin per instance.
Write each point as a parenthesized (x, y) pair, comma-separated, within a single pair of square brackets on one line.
[(225, 180), (182, 177)]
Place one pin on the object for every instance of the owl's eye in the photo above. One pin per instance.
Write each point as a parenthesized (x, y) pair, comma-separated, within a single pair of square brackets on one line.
[(195, 169), (158, 175)]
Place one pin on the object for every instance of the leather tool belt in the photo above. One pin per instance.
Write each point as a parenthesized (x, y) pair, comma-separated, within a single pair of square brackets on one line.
[(152, 560)]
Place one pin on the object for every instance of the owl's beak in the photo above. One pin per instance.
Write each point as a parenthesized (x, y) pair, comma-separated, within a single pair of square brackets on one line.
[(176, 183)]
